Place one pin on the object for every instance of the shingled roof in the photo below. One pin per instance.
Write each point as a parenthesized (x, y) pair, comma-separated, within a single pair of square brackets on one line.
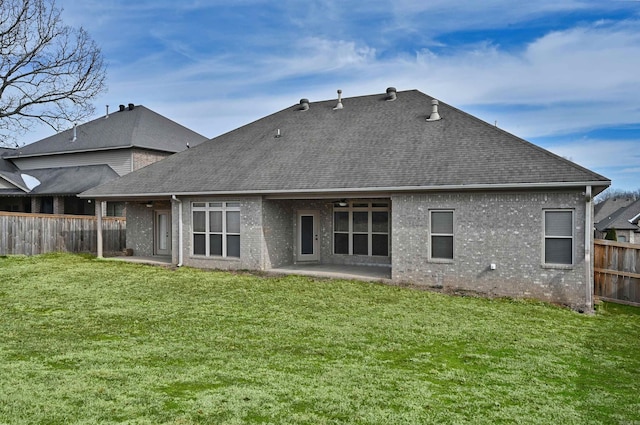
[(624, 218), (10, 173), (63, 181), (135, 126), (372, 144)]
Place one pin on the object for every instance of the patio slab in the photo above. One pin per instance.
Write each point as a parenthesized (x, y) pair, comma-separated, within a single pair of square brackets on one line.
[(336, 271)]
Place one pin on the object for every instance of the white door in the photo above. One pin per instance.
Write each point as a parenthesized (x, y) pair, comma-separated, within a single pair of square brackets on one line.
[(308, 242), (162, 237)]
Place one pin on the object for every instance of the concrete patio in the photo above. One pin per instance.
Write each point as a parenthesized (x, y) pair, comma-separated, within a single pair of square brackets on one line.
[(333, 271), (336, 271)]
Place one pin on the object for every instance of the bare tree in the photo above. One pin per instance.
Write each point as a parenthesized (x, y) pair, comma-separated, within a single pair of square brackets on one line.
[(49, 72), (617, 193)]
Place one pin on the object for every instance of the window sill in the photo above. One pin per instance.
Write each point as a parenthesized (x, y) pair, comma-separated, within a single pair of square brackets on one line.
[(213, 257), (441, 260), (558, 266)]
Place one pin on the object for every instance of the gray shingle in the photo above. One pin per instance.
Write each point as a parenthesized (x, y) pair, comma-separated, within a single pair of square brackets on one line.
[(371, 143), (619, 219), (70, 180), (140, 127)]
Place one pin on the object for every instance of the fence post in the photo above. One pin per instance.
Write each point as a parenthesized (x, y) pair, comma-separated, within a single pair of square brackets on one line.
[(99, 228)]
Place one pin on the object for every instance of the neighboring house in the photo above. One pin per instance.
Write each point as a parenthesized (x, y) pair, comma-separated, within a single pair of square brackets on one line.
[(46, 176), (621, 214), (392, 181)]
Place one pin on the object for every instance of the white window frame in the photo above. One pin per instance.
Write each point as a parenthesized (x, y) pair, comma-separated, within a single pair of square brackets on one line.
[(452, 235), (572, 237), (207, 207), (369, 209)]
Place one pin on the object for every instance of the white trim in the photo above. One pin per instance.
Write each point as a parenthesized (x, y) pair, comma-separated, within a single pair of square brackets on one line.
[(15, 184), (369, 209), (452, 234), (224, 208), (157, 237), (180, 228), (100, 149), (631, 220), (557, 185), (588, 244), (573, 237), (315, 256)]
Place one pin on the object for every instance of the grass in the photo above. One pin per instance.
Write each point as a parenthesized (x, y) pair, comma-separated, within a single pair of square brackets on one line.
[(93, 341)]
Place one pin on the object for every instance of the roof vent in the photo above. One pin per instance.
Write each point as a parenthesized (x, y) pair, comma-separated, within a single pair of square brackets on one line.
[(107, 116), (435, 116), (304, 104), (392, 94), (339, 105), (75, 132), (121, 107), (131, 106)]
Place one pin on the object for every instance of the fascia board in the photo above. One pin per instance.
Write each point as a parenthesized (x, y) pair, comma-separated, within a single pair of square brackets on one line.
[(443, 188)]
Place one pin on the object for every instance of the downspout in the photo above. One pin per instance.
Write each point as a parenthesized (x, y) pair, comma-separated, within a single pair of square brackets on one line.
[(98, 207), (179, 202), (588, 243)]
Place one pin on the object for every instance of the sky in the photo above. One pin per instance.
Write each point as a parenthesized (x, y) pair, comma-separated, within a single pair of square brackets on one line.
[(563, 74)]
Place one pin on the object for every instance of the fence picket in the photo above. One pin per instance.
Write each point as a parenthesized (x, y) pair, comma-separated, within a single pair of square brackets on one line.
[(32, 234), (616, 271)]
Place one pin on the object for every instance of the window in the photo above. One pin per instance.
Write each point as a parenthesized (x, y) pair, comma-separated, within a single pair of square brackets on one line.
[(115, 209), (558, 237), (441, 234), (216, 229), (361, 228)]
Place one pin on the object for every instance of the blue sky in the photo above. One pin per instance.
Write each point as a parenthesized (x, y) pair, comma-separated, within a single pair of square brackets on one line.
[(562, 74)]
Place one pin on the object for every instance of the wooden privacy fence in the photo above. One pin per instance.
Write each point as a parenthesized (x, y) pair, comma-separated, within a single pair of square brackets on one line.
[(616, 268), (32, 234)]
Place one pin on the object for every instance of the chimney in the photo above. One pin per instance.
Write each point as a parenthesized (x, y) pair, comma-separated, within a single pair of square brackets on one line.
[(304, 104), (121, 108), (131, 106), (391, 94), (339, 105), (435, 116)]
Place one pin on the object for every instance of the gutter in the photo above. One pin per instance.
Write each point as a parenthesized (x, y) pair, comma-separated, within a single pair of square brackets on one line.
[(588, 243), (179, 202), (551, 185)]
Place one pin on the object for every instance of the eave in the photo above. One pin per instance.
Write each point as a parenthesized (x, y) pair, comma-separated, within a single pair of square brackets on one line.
[(287, 194)]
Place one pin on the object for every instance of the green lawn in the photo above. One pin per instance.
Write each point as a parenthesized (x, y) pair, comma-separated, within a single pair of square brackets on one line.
[(95, 341)]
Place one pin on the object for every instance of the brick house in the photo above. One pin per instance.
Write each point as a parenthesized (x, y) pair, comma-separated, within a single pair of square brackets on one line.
[(621, 215), (45, 176), (395, 182)]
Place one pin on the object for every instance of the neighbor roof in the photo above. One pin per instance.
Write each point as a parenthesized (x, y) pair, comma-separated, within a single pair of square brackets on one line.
[(137, 127), (62, 181), (371, 144), (622, 219), (10, 173), (606, 208)]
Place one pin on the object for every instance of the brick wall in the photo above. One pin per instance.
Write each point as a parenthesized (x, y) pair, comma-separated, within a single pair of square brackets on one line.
[(251, 240), (140, 229), (278, 224), (142, 157), (505, 229)]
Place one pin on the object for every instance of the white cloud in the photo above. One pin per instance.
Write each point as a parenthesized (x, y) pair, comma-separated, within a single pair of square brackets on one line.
[(576, 78)]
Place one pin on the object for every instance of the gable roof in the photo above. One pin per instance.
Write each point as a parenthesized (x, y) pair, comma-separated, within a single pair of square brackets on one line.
[(62, 181), (70, 180), (10, 173), (370, 145), (133, 127), (624, 218), (609, 206)]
